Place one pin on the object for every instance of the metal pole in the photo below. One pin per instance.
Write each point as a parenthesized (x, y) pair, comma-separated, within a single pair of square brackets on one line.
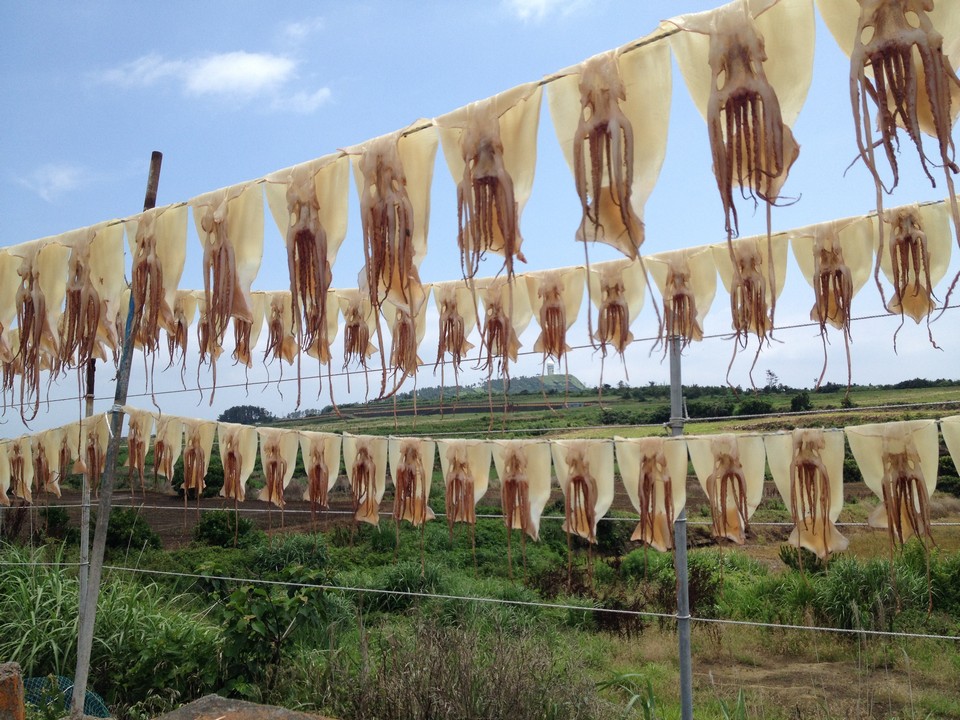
[(89, 617), (680, 545), (85, 499)]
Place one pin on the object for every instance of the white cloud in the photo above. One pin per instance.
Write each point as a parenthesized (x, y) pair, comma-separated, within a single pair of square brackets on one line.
[(238, 73), (538, 10), (299, 31), (302, 102), (52, 180)]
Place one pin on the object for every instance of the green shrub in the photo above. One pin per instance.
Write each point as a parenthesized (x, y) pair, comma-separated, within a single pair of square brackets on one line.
[(287, 550), (223, 528), (128, 529), (405, 577), (753, 406), (801, 402)]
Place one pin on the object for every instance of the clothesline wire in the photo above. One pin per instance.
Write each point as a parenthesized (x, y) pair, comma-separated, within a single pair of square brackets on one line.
[(320, 377), (497, 601), (125, 503)]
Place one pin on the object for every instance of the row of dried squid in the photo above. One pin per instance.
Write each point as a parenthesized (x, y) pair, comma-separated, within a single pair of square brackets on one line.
[(898, 461), (834, 257)]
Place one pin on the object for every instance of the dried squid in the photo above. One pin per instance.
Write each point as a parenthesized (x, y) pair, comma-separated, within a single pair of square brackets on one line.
[(585, 472), (247, 333), (393, 174), (506, 314), (523, 467), (5, 447), (748, 66), (365, 458), (45, 451), (321, 463), (465, 465), (903, 59), (198, 436), (278, 458), (914, 255), (282, 343), (20, 464), (359, 324), (9, 284), (407, 327), (309, 205), (555, 297), (616, 291), (754, 280), (39, 299), (898, 461), (730, 470), (654, 472), (835, 258), (167, 446), (238, 454), (457, 308), (138, 441), (687, 280), (94, 438), (807, 467), (491, 149), (229, 224), (411, 468), (178, 334), (68, 452), (950, 429), (611, 115), (158, 244)]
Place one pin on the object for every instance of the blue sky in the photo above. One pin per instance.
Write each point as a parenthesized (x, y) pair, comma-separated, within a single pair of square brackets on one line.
[(232, 91)]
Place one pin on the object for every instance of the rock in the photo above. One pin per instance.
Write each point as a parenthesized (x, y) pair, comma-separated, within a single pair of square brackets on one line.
[(214, 707), (11, 692)]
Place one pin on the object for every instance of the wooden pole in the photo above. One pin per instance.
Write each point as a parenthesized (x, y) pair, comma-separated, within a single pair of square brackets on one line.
[(88, 602), (85, 491)]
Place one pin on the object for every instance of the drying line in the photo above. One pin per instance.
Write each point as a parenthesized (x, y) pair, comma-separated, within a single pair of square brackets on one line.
[(528, 603)]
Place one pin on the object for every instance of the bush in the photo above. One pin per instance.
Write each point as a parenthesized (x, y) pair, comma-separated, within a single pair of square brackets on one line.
[(801, 402), (281, 552), (222, 528), (753, 406), (128, 529)]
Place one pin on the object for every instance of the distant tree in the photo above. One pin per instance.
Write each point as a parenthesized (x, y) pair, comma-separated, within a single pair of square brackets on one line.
[(773, 382), (246, 414), (801, 402)]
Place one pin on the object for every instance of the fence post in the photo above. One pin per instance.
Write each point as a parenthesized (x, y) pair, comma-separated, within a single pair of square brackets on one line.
[(680, 544), (88, 602)]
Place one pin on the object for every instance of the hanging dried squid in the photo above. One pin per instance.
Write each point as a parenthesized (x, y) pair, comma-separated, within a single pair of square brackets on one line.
[(585, 472), (950, 429), (238, 454), (411, 469), (393, 174), (282, 342), (407, 324), (730, 470), (914, 256), (835, 258), (898, 461), (5, 447), (506, 314), (903, 60), (278, 458), (491, 150), (68, 452), (616, 291), (9, 285), (229, 224), (309, 205), (167, 446), (754, 278), (654, 473), (20, 463), (94, 438), (321, 463), (44, 451), (555, 298), (457, 308), (247, 333), (748, 66), (158, 244), (365, 459), (523, 467), (807, 468), (140, 429), (178, 334), (359, 326), (39, 299), (610, 114), (465, 465), (687, 280), (198, 437)]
